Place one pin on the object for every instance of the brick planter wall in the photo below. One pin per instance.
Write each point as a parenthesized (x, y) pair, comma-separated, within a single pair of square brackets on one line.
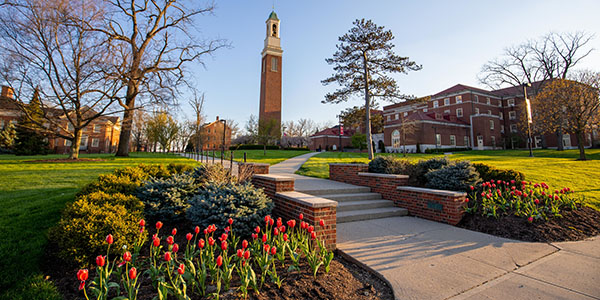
[(384, 184), (289, 204), (347, 172), (437, 205), (249, 169)]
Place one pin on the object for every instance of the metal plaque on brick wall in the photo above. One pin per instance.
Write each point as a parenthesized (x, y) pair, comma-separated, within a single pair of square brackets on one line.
[(435, 206)]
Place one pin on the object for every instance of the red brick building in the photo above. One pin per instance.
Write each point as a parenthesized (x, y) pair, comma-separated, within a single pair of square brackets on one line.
[(467, 117), (270, 75), (100, 136), (211, 136), (329, 139)]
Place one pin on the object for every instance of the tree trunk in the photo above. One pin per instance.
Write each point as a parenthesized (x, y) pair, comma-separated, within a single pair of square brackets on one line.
[(75, 144), (580, 145), (126, 125), (403, 144), (265, 149), (559, 136), (367, 108)]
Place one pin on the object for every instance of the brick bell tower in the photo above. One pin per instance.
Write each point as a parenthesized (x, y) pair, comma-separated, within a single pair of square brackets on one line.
[(270, 76)]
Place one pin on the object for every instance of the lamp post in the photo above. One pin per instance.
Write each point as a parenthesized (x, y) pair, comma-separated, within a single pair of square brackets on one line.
[(224, 130), (340, 131), (529, 119)]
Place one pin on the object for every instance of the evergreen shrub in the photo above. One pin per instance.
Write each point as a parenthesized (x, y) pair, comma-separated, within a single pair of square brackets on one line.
[(488, 173), (390, 165), (457, 176), (417, 174), (167, 199)]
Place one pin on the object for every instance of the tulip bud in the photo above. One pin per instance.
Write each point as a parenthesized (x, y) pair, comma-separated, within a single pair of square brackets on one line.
[(267, 247), (170, 240), (264, 238), (201, 243), (197, 229), (285, 237), (189, 236), (100, 260), (211, 241), (127, 256), (159, 225), (275, 231), (246, 254), (156, 242), (219, 261), (109, 239), (132, 273), (273, 250), (175, 247), (142, 223), (301, 216), (224, 245), (257, 229), (174, 231), (244, 244), (167, 256), (181, 269), (313, 235), (230, 221), (240, 253), (322, 223)]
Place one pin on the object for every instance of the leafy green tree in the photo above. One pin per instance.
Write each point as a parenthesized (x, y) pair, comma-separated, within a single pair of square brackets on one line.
[(353, 117), (161, 128), (8, 136), (361, 62), (359, 141)]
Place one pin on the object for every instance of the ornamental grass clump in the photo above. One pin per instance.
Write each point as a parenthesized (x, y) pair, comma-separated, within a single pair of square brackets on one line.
[(210, 260), (533, 201)]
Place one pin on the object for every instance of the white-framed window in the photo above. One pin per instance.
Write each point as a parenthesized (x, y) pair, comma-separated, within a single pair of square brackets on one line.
[(458, 99), (447, 112), (435, 104), (476, 98), (396, 139), (476, 110), (95, 142), (512, 115), (466, 140), (438, 139), (513, 128), (491, 124), (438, 116), (501, 116), (424, 109), (397, 116), (447, 101), (97, 128), (493, 141), (1, 124), (489, 112), (208, 130), (501, 128), (274, 64), (389, 118), (459, 112), (84, 140), (499, 103), (453, 141), (511, 102), (405, 113), (488, 101)]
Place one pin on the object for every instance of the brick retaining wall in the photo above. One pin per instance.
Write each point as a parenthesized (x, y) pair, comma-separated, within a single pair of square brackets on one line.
[(249, 169), (289, 204)]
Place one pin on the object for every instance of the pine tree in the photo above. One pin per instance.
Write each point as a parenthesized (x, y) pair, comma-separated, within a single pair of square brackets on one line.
[(30, 140)]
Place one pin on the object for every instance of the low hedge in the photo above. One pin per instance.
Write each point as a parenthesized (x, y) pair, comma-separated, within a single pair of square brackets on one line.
[(443, 150), (253, 147), (488, 173)]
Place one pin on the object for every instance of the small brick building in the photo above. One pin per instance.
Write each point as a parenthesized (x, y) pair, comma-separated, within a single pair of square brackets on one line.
[(211, 136), (330, 139)]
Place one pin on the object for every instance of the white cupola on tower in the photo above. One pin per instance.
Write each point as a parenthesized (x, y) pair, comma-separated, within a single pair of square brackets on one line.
[(272, 39)]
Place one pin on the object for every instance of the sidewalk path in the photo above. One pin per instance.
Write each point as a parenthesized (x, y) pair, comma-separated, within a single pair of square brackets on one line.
[(423, 259)]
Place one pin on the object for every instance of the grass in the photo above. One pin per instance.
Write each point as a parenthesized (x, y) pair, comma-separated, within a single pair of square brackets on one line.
[(272, 157), (32, 195), (557, 168)]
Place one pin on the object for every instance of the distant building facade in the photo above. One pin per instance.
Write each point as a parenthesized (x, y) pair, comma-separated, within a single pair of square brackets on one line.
[(467, 117), (330, 139), (211, 136)]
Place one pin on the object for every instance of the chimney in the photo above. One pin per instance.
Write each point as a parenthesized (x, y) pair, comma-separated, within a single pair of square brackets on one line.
[(217, 118), (7, 92)]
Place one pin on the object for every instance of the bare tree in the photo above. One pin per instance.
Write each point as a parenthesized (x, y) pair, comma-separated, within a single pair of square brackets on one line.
[(49, 55), (362, 60), (233, 127), (155, 41), (197, 103), (407, 127), (139, 128), (252, 128), (553, 55)]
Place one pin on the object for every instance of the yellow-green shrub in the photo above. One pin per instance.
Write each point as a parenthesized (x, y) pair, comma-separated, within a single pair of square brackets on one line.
[(130, 202), (84, 225)]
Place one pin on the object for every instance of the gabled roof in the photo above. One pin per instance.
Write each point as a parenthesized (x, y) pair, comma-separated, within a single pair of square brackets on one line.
[(518, 90), (461, 87), (273, 16), (335, 130)]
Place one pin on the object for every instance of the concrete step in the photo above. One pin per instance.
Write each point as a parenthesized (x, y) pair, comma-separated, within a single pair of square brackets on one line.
[(352, 197), (369, 214), (333, 191), (363, 205)]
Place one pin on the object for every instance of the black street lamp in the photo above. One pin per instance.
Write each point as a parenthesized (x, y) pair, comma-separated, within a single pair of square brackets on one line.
[(224, 130), (529, 119)]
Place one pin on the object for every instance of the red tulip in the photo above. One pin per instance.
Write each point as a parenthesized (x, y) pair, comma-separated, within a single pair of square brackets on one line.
[(472, 188), (109, 239), (282, 228), (279, 222), (175, 247), (536, 201), (311, 228), (127, 256), (271, 222), (100, 260), (156, 242), (291, 223), (555, 197), (174, 231), (467, 200), (82, 275), (206, 231), (230, 221), (244, 244), (167, 256), (257, 229), (224, 245), (170, 240), (81, 285), (273, 250), (322, 223), (197, 229), (240, 253), (275, 231), (301, 216), (313, 235), (159, 225), (254, 236), (142, 223), (189, 236), (264, 238), (201, 243), (219, 261), (285, 237), (132, 273), (211, 241), (267, 247), (530, 219), (267, 217), (227, 229), (223, 237), (181, 269), (246, 254)]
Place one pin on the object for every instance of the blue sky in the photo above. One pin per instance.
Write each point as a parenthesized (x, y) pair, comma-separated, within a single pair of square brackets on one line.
[(451, 39)]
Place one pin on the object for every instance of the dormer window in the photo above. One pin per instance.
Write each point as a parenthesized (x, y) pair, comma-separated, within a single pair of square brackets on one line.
[(275, 30)]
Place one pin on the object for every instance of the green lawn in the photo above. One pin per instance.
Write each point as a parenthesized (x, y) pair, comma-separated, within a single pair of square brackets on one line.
[(258, 156), (557, 168), (32, 194)]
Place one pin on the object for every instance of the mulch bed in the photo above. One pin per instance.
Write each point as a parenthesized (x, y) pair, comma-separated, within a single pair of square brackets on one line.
[(64, 160), (573, 226), (344, 281)]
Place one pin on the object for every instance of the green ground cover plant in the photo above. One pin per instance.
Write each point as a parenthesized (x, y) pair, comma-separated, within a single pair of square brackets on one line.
[(556, 168), (32, 194)]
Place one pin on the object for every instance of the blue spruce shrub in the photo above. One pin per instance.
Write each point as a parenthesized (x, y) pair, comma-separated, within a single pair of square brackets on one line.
[(458, 176), (167, 199), (216, 202), (420, 169)]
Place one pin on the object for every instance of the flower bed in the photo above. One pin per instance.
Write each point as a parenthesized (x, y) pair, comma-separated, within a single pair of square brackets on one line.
[(214, 262), (529, 211)]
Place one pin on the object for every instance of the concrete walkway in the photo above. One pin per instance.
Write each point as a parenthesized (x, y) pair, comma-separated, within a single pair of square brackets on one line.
[(423, 259)]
